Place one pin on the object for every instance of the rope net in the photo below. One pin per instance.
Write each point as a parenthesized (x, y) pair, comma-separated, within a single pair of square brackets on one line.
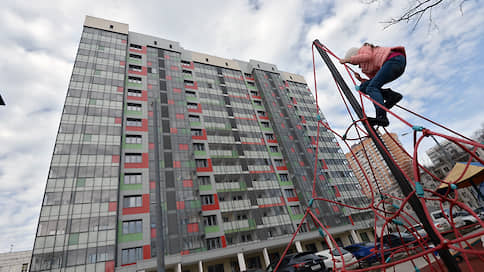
[(462, 241)]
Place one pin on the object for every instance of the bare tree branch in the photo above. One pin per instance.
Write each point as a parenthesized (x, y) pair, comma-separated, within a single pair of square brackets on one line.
[(417, 10)]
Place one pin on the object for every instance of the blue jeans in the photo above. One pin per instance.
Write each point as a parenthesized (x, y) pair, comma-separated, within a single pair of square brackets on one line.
[(389, 71)]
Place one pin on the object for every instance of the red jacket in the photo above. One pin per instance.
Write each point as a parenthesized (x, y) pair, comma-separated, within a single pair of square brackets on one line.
[(371, 59)]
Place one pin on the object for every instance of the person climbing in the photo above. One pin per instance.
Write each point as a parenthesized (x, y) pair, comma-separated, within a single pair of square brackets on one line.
[(381, 65)]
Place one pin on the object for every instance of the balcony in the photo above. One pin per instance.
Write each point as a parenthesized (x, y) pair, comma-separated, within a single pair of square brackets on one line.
[(236, 205)]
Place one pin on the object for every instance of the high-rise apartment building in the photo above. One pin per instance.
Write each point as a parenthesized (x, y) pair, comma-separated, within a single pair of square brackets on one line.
[(205, 160), (383, 177)]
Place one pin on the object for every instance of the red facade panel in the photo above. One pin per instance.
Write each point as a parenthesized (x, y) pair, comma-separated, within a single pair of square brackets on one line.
[(145, 206)]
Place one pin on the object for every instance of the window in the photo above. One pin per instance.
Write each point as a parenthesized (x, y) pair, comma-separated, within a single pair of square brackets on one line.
[(198, 146), (186, 62), (213, 243), (284, 177), (261, 113), (207, 199), (192, 106), (132, 178), (201, 163), (131, 255), (245, 238), (270, 136), (194, 118), (133, 122), (189, 82), (265, 124), (204, 180), (191, 94), (133, 107), (132, 201), (364, 237), (135, 56), (216, 267), (290, 192), (25, 267), (136, 68), (250, 83), (133, 79), (274, 148), (133, 139), (279, 162), (196, 132), (133, 157), (132, 92), (257, 103), (210, 220), (135, 46), (296, 209), (135, 226), (210, 85), (304, 228)]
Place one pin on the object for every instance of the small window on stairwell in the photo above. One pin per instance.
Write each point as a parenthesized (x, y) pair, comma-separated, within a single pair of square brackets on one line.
[(279, 162), (265, 124), (247, 75), (201, 163), (133, 107), (190, 93), (132, 92), (135, 56), (133, 157), (136, 68), (199, 146), (210, 220), (194, 118), (290, 193), (207, 199), (250, 83), (133, 79), (284, 177), (257, 103), (187, 72), (186, 62), (261, 113), (196, 132), (189, 82), (192, 106), (133, 139), (274, 148), (203, 180), (270, 136), (135, 46)]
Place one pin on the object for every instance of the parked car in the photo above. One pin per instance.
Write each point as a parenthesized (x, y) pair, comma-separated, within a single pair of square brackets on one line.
[(441, 224), (368, 253), (480, 212), (337, 261), (397, 239), (417, 229), (299, 262), (463, 218)]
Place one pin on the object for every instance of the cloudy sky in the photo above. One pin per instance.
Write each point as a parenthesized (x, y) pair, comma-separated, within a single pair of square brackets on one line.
[(39, 39)]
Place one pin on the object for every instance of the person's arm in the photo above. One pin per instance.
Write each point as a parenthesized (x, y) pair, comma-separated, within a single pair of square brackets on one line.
[(360, 58)]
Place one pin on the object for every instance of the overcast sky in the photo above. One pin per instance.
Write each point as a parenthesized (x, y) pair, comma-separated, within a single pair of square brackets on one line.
[(39, 39)]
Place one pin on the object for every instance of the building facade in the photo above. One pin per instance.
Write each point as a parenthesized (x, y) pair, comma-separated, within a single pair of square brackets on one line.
[(17, 261), (207, 161), (383, 177)]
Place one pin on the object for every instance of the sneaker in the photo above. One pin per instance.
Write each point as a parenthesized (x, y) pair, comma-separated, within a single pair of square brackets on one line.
[(391, 97), (381, 121)]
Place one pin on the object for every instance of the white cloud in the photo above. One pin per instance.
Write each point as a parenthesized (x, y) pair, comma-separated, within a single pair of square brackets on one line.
[(39, 40)]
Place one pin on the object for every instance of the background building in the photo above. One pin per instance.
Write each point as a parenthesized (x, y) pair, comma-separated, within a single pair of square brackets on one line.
[(444, 156), (383, 178), (18, 261), (206, 160)]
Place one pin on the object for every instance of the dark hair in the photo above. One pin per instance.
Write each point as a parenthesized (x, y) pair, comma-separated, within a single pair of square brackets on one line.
[(370, 45)]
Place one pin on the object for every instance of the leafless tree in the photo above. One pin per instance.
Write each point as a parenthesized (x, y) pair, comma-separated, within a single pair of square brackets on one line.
[(417, 9)]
